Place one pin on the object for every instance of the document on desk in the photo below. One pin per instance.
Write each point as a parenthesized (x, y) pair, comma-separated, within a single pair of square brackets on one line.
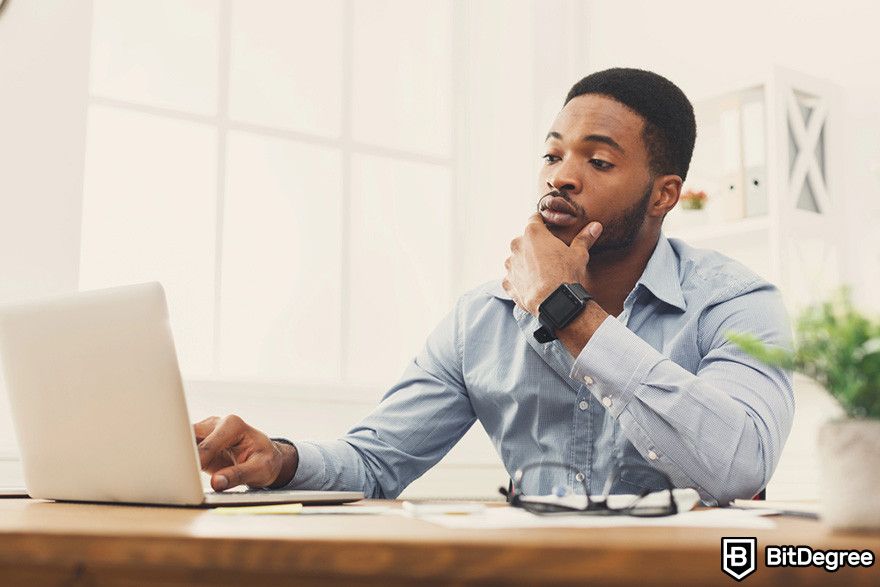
[(685, 499), (801, 509), (508, 517), (259, 510)]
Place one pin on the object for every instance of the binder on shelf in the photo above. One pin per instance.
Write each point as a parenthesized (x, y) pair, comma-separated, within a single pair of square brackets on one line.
[(754, 158), (733, 200)]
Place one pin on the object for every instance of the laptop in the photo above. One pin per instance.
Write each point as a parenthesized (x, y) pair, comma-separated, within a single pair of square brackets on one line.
[(98, 404)]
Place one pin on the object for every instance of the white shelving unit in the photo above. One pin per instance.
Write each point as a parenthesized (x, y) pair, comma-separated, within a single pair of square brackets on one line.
[(766, 157), (709, 232)]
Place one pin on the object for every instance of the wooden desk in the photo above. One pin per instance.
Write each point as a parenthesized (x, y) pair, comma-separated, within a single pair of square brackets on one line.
[(44, 543)]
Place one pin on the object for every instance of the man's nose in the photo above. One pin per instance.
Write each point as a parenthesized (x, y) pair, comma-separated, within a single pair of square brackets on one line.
[(565, 180), (562, 186)]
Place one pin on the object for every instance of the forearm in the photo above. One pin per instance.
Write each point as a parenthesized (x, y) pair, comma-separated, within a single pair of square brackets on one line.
[(720, 430), (690, 428), (575, 336), (393, 445), (332, 465)]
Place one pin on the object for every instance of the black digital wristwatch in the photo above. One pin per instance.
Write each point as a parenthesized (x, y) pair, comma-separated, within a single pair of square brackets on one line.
[(559, 308)]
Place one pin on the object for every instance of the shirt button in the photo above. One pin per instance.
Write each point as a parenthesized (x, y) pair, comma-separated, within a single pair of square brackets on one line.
[(580, 477), (606, 401), (588, 380), (583, 405), (652, 455)]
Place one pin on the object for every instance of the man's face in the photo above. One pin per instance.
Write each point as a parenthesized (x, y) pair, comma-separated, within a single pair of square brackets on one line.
[(596, 168)]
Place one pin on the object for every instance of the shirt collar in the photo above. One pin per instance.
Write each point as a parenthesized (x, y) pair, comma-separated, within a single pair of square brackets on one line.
[(495, 289), (660, 277)]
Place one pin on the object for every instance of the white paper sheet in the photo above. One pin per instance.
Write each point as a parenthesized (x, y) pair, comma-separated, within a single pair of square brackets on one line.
[(509, 517), (804, 507)]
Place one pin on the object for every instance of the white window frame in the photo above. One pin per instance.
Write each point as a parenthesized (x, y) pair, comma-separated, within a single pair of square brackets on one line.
[(345, 144)]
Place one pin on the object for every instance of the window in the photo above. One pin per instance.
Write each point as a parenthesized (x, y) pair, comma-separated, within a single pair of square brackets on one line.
[(285, 169)]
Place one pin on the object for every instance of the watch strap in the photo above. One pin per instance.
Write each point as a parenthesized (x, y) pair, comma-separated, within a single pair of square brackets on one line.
[(544, 335)]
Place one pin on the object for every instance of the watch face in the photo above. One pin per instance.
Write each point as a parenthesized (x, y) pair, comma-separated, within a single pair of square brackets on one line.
[(561, 307), (558, 305)]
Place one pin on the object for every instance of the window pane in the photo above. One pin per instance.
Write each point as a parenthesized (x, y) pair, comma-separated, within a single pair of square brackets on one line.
[(160, 52), (149, 214), (286, 65), (281, 260), (403, 74), (400, 263)]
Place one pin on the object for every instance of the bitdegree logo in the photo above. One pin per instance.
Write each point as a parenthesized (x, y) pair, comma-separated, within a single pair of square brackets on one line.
[(738, 557), (739, 560), (804, 556)]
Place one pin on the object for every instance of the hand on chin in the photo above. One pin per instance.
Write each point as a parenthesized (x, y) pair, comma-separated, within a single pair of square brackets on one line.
[(565, 233)]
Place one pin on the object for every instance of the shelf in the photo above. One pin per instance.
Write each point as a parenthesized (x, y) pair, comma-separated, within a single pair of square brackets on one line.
[(696, 235)]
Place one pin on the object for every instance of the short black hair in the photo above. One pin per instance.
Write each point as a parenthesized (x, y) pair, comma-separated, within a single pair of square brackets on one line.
[(670, 127)]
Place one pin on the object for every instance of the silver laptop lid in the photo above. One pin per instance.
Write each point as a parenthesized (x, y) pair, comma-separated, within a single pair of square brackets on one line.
[(97, 398)]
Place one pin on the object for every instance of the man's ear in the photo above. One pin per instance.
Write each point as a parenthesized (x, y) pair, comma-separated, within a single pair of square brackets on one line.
[(667, 189)]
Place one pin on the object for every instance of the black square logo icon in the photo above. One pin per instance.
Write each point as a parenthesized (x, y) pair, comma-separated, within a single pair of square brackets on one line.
[(739, 556)]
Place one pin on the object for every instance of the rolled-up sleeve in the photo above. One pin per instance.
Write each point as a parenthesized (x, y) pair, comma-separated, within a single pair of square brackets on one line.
[(720, 430), (417, 422)]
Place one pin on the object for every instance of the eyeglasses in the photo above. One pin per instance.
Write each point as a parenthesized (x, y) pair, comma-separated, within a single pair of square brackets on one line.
[(562, 499)]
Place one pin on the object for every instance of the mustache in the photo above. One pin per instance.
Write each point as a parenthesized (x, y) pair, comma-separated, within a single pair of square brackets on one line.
[(551, 194), (559, 194)]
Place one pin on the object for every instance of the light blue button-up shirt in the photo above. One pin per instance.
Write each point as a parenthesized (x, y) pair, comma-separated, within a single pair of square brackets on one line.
[(658, 385)]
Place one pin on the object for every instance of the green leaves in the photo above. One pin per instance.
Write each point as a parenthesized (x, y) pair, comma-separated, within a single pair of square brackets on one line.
[(837, 346), (771, 355)]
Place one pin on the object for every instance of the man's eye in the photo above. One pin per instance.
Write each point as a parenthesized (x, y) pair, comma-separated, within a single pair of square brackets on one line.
[(551, 158), (599, 164)]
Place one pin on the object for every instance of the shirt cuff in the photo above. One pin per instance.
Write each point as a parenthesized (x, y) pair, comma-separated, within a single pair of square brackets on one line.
[(310, 469), (613, 364)]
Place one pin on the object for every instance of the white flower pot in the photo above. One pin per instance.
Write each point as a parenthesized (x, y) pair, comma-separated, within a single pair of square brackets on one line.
[(849, 478)]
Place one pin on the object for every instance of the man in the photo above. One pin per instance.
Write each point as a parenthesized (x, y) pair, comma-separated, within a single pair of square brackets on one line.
[(628, 363)]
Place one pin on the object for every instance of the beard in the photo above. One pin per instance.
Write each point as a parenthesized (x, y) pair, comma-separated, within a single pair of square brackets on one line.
[(618, 234)]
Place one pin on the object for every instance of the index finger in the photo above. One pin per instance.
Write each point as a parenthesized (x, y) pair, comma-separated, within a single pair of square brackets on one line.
[(536, 218), (536, 224), (205, 427), (225, 435)]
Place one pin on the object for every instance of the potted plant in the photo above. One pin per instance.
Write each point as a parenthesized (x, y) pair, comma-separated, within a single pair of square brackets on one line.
[(839, 347), (690, 212), (693, 200)]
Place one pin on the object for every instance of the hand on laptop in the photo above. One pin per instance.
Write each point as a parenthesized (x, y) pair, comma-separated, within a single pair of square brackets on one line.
[(235, 454)]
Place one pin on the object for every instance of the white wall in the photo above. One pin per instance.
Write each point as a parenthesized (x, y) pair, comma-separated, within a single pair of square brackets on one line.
[(44, 50), (515, 83)]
